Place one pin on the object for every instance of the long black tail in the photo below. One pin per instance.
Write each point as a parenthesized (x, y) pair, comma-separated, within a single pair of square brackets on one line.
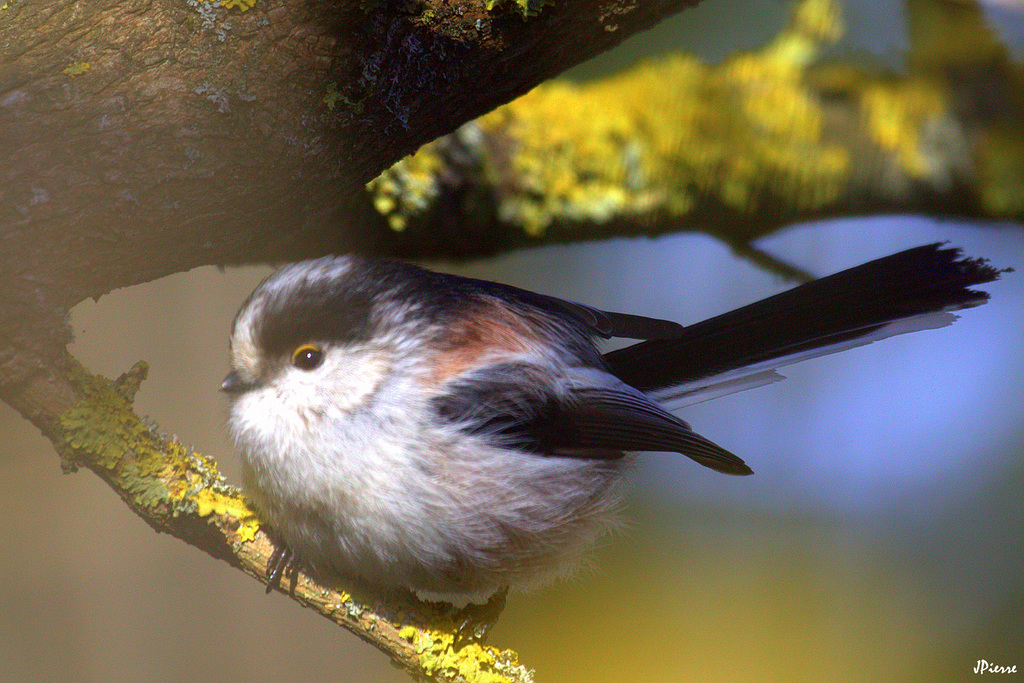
[(912, 290)]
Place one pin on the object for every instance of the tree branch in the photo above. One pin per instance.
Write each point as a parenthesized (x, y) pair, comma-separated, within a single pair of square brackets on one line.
[(150, 137), (158, 127), (213, 137), (736, 150)]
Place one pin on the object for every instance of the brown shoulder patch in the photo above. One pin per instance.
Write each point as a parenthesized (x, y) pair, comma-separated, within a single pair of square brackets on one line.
[(490, 329)]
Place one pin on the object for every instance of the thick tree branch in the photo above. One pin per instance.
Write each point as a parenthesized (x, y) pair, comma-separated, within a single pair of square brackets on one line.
[(145, 138), (180, 129)]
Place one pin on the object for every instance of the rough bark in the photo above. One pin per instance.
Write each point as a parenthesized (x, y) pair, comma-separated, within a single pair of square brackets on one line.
[(150, 137)]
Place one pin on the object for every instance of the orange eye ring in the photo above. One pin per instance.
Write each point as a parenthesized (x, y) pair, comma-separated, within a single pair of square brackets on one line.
[(307, 357)]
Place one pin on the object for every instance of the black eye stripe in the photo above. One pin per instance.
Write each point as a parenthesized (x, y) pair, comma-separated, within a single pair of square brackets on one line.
[(307, 357)]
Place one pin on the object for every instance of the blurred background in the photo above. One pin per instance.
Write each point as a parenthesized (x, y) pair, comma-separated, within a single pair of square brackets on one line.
[(879, 540)]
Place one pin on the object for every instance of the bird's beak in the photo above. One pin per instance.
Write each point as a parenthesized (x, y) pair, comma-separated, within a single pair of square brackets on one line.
[(234, 384)]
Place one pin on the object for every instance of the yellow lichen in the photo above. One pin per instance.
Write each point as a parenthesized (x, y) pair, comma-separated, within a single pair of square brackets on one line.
[(897, 113), (407, 188), (75, 69), (102, 430), (243, 5), (472, 662), (657, 136), (527, 7), (210, 501), (649, 140)]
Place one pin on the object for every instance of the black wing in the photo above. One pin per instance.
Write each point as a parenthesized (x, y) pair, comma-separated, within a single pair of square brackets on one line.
[(517, 409)]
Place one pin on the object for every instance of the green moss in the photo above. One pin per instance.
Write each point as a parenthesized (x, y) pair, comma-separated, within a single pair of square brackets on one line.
[(332, 96), (103, 424), (428, 10)]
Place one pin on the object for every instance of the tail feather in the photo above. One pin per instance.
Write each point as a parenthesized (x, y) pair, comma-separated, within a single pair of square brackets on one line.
[(911, 290)]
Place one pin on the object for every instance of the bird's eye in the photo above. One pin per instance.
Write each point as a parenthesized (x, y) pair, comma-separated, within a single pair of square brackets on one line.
[(307, 357)]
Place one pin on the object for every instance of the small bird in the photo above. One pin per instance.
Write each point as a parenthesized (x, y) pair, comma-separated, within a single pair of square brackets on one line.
[(456, 437)]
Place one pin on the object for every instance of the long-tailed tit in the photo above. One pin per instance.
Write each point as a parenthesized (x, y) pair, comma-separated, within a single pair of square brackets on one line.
[(457, 437)]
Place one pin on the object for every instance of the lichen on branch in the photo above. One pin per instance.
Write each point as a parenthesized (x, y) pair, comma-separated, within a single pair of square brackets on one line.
[(735, 150), (159, 477), (652, 140)]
